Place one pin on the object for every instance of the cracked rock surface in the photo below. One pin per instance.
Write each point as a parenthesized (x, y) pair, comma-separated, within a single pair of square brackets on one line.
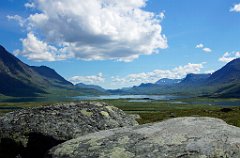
[(188, 137), (31, 132)]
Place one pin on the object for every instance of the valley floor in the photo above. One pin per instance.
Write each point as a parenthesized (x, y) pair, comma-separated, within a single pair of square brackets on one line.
[(154, 111)]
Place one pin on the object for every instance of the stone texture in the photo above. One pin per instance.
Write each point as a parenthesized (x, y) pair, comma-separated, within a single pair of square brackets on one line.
[(190, 137), (33, 131)]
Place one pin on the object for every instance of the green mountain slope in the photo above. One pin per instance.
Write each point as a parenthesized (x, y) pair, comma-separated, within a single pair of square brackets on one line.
[(51, 76), (17, 78)]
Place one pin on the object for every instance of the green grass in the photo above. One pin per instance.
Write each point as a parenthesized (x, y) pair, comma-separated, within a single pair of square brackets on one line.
[(160, 110)]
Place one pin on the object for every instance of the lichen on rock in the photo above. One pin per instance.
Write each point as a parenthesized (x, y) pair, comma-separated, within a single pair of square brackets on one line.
[(188, 137), (86, 113), (31, 132), (104, 113)]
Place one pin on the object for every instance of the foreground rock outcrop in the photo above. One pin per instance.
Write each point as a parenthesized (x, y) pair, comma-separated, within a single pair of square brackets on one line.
[(181, 137), (31, 132)]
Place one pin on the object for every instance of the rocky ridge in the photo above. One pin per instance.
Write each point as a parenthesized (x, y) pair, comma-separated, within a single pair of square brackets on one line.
[(31, 132)]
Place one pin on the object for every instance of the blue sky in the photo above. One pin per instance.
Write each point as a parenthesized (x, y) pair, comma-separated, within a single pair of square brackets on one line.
[(123, 43)]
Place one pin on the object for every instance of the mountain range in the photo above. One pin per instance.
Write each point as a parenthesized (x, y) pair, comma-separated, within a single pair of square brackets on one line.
[(18, 79), (167, 81), (225, 82), (82, 85)]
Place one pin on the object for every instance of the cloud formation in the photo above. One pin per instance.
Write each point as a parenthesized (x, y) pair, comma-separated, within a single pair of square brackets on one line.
[(199, 45), (227, 57), (94, 79), (235, 8), (94, 29), (151, 77), (205, 49), (29, 5), (37, 50), (17, 18)]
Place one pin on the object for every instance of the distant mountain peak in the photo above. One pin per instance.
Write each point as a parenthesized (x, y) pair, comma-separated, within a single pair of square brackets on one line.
[(195, 78), (235, 63), (235, 60), (167, 81), (51, 74), (146, 85), (96, 87), (229, 73)]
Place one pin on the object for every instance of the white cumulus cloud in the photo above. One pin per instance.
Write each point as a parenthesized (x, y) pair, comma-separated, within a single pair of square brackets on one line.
[(235, 8), (205, 49), (151, 77), (35, 49), (94, 79), (227, 57), (96, 29)]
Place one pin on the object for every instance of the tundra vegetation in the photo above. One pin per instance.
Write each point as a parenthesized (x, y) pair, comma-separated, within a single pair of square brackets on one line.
[(154, 111)]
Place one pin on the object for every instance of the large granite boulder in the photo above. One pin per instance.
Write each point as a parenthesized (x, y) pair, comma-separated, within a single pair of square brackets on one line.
[(31, 132), (176, 138)]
